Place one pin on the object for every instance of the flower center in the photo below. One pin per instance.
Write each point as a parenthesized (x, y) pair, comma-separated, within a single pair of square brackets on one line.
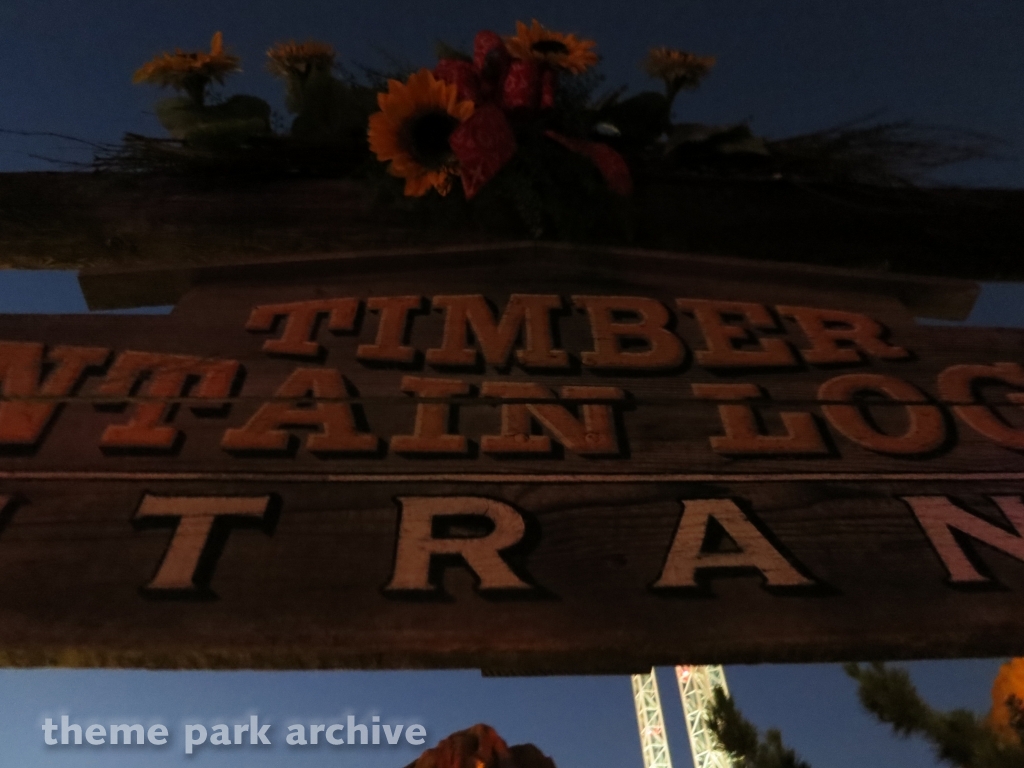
[(428, 138), (549, 46)]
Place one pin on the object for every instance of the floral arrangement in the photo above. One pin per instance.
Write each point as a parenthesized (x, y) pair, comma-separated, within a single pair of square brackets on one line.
[(513, 130), (236, 135), (189, 117), (514, 123), (467, 118)]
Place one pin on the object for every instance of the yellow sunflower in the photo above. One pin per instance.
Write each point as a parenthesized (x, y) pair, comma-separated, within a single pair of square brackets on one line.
[(294, 59), (412, 130), (678, 69), (189, 71), (559, 50), (1008, 683)]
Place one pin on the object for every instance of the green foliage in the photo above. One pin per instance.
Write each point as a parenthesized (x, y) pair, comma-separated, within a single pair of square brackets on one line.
[(376, 78), (225, 125), (960, 738), (640, 119), (547, 189), (725, 139), (328, 134), (330, 111), (885, 154), (740, 738), (445, 51), (555, 193), (575, 111)]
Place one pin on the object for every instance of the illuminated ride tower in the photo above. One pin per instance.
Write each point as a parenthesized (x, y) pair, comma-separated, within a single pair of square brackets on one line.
[(696, 690), (653, 741)]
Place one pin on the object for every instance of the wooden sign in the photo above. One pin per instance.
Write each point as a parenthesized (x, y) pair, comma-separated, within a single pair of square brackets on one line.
[(527, 460)]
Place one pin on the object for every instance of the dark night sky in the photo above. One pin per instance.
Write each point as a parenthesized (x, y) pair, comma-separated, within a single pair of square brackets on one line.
[(788, 66)]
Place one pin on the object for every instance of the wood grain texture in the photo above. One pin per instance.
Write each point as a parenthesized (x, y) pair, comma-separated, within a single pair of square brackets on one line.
[(111, 287), (74, 220), (189, 551)]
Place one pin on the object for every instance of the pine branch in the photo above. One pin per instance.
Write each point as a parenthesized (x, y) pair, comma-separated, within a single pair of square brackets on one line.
[(740, 738), (960, 738)]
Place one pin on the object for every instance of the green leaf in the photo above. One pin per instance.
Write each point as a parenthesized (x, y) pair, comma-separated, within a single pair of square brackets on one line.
[(445, 51), (333, 112), (179, 115), (640, 119), (240, 107), (230, 122), (609, 98)]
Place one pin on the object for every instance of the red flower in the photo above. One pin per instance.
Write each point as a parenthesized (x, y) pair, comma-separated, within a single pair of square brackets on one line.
[(609, 162), (461, 74), (483, 144), (496, 83), (548, 88), (491, 60), (522, 86), (494, 75)]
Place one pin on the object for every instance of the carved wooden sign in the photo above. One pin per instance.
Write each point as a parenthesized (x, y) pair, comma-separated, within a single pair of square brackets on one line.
[(523, 460)]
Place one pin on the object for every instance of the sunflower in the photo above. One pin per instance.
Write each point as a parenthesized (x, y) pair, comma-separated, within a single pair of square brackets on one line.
[(189, 71), (412, 130), (1007, 719), (559, 50), (678, 69), (294, 59)]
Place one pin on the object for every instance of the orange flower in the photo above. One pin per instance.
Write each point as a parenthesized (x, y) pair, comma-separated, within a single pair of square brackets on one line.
[(678, 69), (1008, 683), (294, 59), (174, 69), (412, 131), (559, 50)]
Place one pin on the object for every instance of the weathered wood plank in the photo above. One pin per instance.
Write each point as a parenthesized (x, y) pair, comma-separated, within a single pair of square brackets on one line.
[(281, 474), (74, 220), (113, 287), (309, 594)]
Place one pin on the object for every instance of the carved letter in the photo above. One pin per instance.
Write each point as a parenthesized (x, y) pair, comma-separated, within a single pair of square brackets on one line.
[(21, 370), (939, 517), (926, 431), (300, 320), (594, 435), (742, 435), (685, 557), (664, 350), (956, 385), (338, 433), (169, 377), (394, 317), (530, 313), (196, 515), (430, 433), (859, 331), (720, 336), (417, 545)]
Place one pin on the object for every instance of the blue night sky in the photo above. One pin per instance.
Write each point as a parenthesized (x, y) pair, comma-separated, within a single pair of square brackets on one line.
[(788, 66)]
